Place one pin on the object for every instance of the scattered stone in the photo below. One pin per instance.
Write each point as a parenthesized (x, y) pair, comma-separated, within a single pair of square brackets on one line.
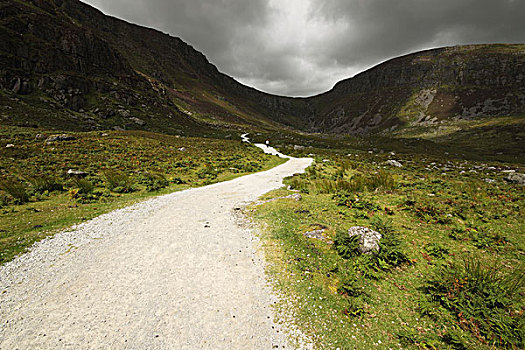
[(394, 163), (508, 171), (490, 181), (137, 121), (316, 234), (40, 137), (182, 149), (298, 147), (62, 137), (515, 178), (368, 239), (77, 173), (124, 113), (9, 145)]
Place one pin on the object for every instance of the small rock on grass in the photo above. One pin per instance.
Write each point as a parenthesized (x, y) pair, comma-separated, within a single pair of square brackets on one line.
[(394, 163), (515, 178), (77, 173), (62, 137), (368, 239)]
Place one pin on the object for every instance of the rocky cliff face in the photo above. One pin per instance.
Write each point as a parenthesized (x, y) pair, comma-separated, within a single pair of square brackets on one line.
[(104, 72), (425, 87)]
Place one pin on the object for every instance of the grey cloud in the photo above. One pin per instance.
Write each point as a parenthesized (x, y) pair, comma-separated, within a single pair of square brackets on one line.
[(303, 47), (384, 28)]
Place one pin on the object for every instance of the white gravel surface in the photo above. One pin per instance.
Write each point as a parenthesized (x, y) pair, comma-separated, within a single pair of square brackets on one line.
[(173, 272)]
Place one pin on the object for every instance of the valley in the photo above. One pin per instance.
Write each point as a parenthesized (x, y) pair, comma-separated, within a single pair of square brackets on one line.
[(125, 164)]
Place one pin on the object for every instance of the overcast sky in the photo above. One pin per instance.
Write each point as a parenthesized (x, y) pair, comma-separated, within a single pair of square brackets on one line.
[(303, 47)]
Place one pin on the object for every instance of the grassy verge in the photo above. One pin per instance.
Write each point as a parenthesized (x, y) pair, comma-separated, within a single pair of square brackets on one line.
[(38, 196), (451, 266)]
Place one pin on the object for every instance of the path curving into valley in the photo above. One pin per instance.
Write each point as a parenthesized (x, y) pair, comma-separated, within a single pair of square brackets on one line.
[(173, 272)]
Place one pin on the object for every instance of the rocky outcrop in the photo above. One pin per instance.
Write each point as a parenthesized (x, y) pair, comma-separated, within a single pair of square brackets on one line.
[(455, 82)]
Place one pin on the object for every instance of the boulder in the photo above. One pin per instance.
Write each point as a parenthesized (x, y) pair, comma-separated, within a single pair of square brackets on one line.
[(298, 147), (368, 239), (515, 178)]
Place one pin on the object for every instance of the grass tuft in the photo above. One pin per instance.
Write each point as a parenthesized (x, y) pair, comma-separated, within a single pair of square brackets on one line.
[(16, 189), (484, 299), (118, 181), (45, 183)]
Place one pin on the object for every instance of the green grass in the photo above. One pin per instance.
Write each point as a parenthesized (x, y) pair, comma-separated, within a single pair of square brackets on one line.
[(37, 197), (435, 213)]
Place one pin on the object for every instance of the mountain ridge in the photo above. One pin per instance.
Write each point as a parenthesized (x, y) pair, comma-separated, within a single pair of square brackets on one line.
[(107, 73)]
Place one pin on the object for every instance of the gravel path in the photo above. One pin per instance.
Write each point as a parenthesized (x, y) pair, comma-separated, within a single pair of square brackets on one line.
[(174, 272)]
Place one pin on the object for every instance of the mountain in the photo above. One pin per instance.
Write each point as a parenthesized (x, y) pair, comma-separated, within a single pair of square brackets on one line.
[(64, 64), (424, 88)]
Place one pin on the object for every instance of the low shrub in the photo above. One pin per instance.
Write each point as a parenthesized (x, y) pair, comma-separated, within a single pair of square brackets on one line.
[(44, 183), (83, 190), (436, 250), (357, 183), (300, 184), (153, 181), (4, 199), (16, 189), (483, 299), (346, 246), (382, 180), (84, 186), (391, 252), (118, 181), (177, 180), (250, 167), (207, 172), (383, 226)]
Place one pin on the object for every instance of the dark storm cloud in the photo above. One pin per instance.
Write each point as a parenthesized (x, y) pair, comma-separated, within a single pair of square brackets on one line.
[(385, 28), (302, 47)]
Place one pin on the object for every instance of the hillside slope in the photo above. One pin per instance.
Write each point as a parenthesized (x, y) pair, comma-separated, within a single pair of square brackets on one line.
[(424, 88), (65, 64)]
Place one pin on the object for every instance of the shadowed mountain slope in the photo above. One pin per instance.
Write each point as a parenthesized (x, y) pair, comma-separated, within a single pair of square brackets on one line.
[(65, 64)]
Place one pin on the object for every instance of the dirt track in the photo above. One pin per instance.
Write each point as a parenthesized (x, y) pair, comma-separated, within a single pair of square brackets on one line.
[(174, 272)]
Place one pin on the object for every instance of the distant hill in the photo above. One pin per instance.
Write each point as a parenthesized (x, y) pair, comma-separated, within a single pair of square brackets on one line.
[(64, 64)]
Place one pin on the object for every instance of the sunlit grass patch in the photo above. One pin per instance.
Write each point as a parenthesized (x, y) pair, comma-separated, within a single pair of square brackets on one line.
[(46, 186), (435, 212)]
